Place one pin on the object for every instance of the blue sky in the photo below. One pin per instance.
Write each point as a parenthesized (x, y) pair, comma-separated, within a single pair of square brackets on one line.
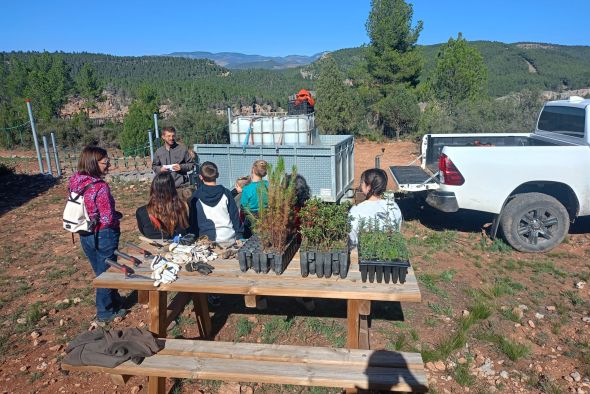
[(273, 28)]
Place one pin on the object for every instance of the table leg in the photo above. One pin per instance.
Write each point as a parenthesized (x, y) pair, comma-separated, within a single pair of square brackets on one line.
[(157, 306), (143, 297), (358, 312), (201, 309)]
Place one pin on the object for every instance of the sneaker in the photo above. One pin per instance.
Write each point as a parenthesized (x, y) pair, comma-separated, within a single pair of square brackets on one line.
[(308, 304), (214, 300), (109, 318)]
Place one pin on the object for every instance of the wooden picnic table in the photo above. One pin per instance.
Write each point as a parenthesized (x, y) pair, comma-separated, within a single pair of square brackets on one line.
[(228, 279)]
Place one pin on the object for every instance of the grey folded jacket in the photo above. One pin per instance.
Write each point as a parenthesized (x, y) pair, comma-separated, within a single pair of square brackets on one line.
[(110, 348)]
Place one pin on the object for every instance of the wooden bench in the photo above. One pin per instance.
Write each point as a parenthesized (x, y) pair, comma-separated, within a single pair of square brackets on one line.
[(276, 364)]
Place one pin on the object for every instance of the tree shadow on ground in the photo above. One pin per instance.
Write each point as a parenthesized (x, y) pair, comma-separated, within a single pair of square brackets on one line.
[(18, 189)]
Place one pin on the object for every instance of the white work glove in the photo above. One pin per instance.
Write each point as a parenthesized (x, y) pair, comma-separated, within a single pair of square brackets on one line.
[(164, 271)]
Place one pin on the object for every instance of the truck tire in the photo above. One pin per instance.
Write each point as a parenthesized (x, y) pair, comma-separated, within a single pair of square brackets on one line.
[(534, 222)]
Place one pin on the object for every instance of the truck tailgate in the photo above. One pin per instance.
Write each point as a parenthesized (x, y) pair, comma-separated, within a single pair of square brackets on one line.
[(413, 178)]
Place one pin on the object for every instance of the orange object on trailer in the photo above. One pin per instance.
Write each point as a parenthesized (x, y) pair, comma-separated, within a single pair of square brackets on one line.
[(304, 95)]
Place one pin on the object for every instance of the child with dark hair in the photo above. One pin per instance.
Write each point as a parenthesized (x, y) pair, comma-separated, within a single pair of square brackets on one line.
[(373, 185), (212, 209), (166, 213)]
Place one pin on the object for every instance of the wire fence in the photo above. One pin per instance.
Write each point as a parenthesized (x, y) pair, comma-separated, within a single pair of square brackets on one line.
[(12, 136), (19, 150)]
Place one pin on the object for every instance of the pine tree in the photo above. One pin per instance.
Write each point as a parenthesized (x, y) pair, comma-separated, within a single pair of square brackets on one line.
[(139, 119), (334, 105), (460, 73), (87, 83), (392, 56), (394, 63)]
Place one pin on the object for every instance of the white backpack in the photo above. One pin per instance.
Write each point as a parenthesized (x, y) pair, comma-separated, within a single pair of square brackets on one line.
[(76, 218)]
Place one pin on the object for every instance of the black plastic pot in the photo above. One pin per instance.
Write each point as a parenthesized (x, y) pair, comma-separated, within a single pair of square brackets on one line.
[(251, 256), (386, 271), (324, 264)]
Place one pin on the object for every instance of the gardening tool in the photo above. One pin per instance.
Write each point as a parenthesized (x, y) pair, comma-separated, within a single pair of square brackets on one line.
[(128, 271), (146, 253), (153, 242), (136, 262)]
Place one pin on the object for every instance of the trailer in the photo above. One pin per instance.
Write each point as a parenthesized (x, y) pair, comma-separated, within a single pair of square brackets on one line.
[(327, 165)]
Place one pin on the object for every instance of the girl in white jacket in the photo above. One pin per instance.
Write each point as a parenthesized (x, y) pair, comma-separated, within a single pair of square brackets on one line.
[(386, 211)]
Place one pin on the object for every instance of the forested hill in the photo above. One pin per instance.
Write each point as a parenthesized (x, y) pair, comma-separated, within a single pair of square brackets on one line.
[(233, 60), (200, 83), (511, 67)]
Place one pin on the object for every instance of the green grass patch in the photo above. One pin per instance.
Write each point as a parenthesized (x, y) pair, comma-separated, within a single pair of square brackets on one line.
[(57, 273), (512, 349), (431, 281), (546, 267), (462, 375), (573, 297), (333, 332), (35, 376), (441, 310), (442, 351), (274, 328), (510, 315), (497, 246), (243, 327)]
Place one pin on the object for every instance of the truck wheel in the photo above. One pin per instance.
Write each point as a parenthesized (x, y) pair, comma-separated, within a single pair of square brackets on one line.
[(534, 222)]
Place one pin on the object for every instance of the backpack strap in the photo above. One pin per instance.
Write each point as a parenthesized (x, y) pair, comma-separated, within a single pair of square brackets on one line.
[(81, 193)]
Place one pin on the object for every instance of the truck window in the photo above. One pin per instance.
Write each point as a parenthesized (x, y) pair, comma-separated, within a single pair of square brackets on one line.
[(563, 120)]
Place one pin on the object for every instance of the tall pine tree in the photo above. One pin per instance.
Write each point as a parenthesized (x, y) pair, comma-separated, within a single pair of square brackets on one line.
[(87, 83), (139, 120), (394, 63), (393, 56), (334, 105), (460, 73)]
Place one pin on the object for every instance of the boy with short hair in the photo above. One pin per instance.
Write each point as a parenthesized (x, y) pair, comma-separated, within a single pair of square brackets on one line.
[(212, 210)]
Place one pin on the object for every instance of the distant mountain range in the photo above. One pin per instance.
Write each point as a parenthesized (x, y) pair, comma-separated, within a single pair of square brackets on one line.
[(233, 60)]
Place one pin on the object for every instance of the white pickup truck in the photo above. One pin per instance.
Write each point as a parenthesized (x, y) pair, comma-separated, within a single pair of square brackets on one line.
[(535, 183)]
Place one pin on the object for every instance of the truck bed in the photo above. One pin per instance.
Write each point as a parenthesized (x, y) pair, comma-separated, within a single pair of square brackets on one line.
[(436, 142)]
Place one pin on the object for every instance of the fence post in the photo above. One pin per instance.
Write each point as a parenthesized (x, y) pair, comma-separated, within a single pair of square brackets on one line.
[(35, 140), (55, 155), (151, 145), (156, 130), (47, 157), (229, 121)]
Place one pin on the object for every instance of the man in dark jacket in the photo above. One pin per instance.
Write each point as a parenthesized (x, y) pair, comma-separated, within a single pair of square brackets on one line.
[(173, 157), (212, 209)]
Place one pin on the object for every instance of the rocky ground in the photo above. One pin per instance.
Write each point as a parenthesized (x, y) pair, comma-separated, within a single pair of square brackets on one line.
[(491, 319)]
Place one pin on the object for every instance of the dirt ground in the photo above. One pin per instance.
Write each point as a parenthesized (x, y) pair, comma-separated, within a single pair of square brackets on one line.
[(491, 319)]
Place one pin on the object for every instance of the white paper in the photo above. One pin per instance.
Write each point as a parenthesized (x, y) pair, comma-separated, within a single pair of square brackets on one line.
[(168, 167)]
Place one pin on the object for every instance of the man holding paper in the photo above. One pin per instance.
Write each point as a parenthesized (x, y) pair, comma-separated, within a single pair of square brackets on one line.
[(174, 158)]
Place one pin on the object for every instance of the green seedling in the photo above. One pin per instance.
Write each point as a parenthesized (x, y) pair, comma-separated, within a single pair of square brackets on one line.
[(324, 226)]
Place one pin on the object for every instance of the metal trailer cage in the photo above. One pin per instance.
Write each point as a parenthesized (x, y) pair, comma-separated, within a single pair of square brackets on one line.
[(328, 166)]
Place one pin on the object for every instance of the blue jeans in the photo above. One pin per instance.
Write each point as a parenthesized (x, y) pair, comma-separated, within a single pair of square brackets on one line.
[(107, 300)]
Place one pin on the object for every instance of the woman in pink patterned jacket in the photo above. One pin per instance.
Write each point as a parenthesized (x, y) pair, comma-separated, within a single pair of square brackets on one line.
[(104, 240)]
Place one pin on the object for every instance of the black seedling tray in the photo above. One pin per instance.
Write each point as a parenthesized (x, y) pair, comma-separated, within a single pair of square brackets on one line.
[(387, 271), (251, 256), (324, 264)]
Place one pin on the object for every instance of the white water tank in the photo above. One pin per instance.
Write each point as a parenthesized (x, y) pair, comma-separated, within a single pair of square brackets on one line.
[(273, 130)]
